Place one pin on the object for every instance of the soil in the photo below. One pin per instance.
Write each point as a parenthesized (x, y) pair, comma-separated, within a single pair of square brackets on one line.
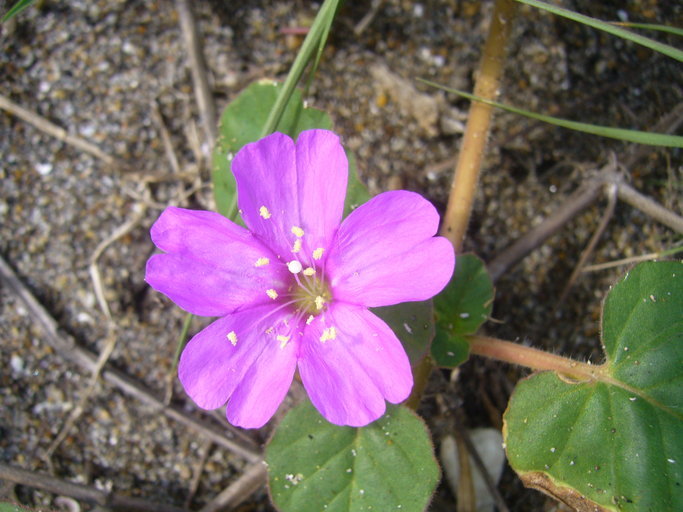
[(100, 69)]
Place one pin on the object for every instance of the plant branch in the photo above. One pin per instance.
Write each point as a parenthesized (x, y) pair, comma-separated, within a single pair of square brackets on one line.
[(67, 347), (82, 492), (467, 169), (532, 358), (207, 108)]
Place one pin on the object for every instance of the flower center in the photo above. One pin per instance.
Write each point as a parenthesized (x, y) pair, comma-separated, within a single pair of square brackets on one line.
[(310, 294)]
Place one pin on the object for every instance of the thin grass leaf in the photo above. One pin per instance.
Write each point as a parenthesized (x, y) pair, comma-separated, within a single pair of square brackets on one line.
[(651, 26), (665, 49), (16, 9), (316, 37), (637, 136)]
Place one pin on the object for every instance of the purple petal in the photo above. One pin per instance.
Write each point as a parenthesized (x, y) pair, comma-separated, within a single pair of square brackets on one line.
[(283, 186), (350, 361), (235, 357), (211, 266), (385, 252)]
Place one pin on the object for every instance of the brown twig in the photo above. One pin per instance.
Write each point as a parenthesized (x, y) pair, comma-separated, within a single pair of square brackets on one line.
[(583, 197), (205, 103), (53, 130), (463, 188), (67, 347), (82, 492), (204, 451), (465, 439), (588, 251), (247, 484), (646, 205), (165, 138)]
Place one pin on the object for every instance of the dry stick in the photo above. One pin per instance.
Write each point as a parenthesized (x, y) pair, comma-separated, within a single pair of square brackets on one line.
[(588, 251), (204, 452), (52, 129), (111, 327), (66, 346), (646, 205), (207, 108), (82, 492), (248, 483), (165, 138), (466, 176), (583, 197), (465, 439)]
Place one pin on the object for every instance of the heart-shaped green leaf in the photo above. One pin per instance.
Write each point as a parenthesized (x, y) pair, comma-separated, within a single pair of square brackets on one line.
[(315, 466), (616, 442), (460, 309)]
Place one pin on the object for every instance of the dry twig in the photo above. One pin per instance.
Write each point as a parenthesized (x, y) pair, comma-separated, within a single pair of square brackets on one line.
[(53, 130), (82, 492), (67, 347), (251, 480), (207, 108)]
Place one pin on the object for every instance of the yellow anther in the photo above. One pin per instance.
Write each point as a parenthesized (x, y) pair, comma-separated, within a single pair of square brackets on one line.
[(263, 212), (297, 231), (328, 334), (282, 339), (297, 245), (309, 271), (318, 253), (271, 293), (319, 302), (261, 262), (232, 337), (309, 319)]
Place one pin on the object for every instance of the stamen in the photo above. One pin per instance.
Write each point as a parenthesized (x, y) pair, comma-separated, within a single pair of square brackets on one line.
[(297, 245), (309, 319), (271, 293), (309, 271), (263, 212), (319, 302), (297, 231), (261, 262), (232, 337), (294, 266), (328, 334), (318, 253), (282, 339)]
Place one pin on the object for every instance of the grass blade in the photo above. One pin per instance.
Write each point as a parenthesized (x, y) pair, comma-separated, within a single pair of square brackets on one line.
[(667, 50), (637, 136)]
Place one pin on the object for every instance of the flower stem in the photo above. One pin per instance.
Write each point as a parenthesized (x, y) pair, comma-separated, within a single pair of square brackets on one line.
[(471, 154), (469, 161), (533, 358)]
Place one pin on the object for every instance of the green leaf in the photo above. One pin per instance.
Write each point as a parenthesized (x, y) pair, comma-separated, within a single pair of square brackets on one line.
[(665, 49), (10, 507), (242, 122), (615, 441), (640, 137), (16, 9), (461, 308), (315, 466), (356, 191), (413, 324)]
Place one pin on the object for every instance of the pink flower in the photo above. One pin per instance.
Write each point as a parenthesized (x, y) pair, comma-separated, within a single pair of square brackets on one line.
[(293, 290)]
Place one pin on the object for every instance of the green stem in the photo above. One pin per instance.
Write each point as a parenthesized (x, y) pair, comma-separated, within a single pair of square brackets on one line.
[(466, 175), (533, 358)]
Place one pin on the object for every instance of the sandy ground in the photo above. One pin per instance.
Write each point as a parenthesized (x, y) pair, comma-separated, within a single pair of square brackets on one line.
[(115, 73)]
